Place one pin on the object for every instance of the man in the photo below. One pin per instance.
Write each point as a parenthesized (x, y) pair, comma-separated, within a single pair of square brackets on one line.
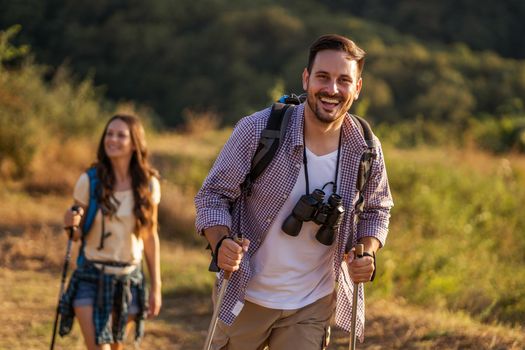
[(281, 293)]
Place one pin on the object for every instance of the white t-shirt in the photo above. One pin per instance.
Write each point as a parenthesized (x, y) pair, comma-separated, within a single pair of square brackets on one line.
[(122, 245), (292, 272)]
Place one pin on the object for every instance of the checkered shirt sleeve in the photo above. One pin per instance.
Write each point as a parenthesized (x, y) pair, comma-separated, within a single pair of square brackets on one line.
[(221, 187)]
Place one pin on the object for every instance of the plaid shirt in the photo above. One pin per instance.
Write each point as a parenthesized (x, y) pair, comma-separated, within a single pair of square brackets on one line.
[(219, 202), (116, 296)]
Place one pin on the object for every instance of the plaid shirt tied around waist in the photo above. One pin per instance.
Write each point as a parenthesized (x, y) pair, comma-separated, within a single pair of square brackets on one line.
[(113, 294), (219, 202)]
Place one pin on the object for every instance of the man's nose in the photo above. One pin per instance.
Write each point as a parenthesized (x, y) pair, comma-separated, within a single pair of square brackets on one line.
[(331, 87)]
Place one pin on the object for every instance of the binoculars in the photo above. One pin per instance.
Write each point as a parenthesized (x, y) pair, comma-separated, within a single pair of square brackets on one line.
[(311, 207)]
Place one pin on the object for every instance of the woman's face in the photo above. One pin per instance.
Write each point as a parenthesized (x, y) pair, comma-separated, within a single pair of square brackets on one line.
[(117, 141)]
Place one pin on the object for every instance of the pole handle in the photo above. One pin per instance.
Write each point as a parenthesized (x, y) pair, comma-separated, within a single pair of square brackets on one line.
[(359, 249), (228, 274)]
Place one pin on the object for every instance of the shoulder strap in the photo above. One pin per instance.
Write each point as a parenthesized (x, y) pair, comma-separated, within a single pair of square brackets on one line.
[(366, 131), (93, 201), (365, 166), (365, 163), (91, 210), (271, 138)]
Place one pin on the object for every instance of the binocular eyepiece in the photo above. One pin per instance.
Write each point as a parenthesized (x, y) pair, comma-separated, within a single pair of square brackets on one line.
[(311, 207)]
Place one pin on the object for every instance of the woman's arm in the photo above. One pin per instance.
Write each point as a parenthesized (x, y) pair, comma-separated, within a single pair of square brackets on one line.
[(152, 254)]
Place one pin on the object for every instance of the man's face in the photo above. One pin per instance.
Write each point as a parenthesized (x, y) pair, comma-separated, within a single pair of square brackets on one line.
[(332, 85)]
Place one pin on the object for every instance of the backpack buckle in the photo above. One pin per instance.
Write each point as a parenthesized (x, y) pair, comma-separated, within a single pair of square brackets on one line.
[(293, 99)]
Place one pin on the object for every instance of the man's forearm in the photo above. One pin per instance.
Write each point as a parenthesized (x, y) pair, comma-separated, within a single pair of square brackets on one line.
[(372, 244), (214, 234)]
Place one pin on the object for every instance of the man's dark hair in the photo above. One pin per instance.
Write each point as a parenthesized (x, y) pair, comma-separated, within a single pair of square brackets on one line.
[(338, 43)]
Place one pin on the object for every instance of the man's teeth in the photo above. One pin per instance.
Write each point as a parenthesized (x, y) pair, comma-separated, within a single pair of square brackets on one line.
[(329, 100)]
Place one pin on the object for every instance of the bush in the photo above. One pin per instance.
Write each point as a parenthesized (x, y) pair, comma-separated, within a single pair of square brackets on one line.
[(500, 135), (418, 132), (35, 114)]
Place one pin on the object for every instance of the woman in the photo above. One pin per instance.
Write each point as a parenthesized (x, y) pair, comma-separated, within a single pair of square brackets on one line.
[(106, 292)]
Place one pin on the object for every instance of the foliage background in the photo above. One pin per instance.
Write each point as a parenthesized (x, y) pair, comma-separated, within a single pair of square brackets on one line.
[(439, 61)]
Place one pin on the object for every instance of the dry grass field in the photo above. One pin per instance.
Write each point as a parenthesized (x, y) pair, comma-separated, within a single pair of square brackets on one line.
[(32, 250)]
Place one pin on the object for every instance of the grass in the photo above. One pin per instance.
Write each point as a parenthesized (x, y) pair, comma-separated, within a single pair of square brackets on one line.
[(183, 161), (185, 271), (19, 209), (456, 237)]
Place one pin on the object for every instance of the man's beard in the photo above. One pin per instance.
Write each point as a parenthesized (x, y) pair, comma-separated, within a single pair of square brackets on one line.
[(314, 104)]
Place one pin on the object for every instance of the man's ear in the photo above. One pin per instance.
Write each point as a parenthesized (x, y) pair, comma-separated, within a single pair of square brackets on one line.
[(358, 87), (306, 77)]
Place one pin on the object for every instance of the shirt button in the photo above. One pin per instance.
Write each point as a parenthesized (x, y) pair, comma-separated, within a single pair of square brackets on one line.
[(285, 196), (268, 220)]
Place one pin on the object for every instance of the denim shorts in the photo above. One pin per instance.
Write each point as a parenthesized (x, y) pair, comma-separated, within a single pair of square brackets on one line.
[(87, 291)]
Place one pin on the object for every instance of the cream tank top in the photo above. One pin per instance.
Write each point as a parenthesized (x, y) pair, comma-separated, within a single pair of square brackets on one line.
[(120, 244)]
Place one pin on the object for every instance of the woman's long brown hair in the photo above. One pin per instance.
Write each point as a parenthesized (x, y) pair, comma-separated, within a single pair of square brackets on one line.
[(140, 170)]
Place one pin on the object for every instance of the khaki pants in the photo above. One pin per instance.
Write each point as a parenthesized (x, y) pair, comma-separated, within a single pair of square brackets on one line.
[(256, 327)]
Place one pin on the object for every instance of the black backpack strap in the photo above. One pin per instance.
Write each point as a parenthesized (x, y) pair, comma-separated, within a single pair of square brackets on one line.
[(368, 156), (366, 131), (365, 167), (271, 138)]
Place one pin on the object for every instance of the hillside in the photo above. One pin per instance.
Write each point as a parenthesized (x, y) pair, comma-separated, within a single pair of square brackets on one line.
[(231, 58)]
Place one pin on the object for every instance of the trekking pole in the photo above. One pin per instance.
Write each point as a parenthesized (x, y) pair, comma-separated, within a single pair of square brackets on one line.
[(218, 304), (64, 274), (358, 254)]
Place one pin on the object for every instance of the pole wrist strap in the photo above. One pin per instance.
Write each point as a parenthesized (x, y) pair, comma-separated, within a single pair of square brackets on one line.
[(373, 255)]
